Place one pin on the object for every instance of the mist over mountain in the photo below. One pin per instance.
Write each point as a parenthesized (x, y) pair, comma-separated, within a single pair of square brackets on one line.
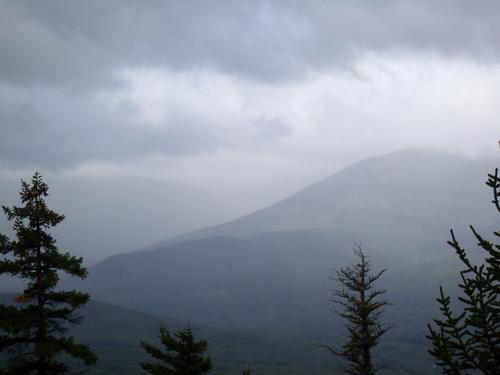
[(115, 332), (414, 190), (271, 269), (215, 163), (109, 215)]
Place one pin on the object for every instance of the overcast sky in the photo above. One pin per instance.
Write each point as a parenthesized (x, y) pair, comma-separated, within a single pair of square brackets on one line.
[(263, 96)]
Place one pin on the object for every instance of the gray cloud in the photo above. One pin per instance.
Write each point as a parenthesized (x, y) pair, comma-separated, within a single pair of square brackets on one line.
[(57, 139), (63, 63), (82, 43), (47, 128), (250, 100)]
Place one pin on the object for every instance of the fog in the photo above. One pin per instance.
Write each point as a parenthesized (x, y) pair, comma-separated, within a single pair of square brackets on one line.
[(198, 114), (217, 161)]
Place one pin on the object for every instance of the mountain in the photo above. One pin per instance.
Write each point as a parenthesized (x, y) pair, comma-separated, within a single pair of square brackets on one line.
[(270, 270), (410, 190), (114, 333), (108, 215), (271, 280)]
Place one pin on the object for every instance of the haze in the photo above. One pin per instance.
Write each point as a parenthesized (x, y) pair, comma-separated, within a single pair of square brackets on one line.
[(150, 119), (217, 162)]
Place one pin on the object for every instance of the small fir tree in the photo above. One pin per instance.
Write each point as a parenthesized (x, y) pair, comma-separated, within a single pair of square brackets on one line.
[(362, 307), (183, 356), (469, 342), (32, 328)]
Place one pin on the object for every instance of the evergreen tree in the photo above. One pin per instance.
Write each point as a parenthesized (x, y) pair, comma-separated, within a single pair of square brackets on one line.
[(362, 308), (469, 342), (184, 355), (32, 329)]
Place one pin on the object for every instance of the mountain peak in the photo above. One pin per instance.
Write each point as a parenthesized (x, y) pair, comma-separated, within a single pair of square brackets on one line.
[(413, 189)]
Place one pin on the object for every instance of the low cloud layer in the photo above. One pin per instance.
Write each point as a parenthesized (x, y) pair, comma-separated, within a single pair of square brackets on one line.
[(273, 92), (83, 43)]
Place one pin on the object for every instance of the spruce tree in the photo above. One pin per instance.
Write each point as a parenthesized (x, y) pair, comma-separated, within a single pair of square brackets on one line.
[(32, 328), (469, 342), (183, 356), (362, 308)]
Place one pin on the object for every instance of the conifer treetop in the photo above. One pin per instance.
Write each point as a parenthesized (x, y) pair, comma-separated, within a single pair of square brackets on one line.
[(32, 329), (183, 355)]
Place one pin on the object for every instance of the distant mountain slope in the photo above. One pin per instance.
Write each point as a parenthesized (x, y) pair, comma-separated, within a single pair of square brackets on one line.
[(277, 281), (270, 270), (109, 215), (114, 334), (216, 280), (410, 190)]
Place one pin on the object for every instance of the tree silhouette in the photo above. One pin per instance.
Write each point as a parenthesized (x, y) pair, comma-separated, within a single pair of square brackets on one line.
[(470, 340), (32, 329), (184, 355), (362, 308)]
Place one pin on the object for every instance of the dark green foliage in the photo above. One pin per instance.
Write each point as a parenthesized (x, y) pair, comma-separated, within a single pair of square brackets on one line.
[(184, 355), (362, 309), (470, 340), (246, 372), (31, 330), (114, 333)]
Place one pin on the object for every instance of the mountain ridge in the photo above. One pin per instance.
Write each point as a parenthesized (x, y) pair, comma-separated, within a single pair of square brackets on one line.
[(272, 269), (439, 161)]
